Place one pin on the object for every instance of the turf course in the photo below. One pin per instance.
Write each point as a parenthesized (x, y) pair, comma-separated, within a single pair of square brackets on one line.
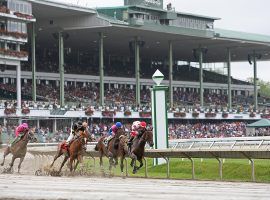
[(205, 169)]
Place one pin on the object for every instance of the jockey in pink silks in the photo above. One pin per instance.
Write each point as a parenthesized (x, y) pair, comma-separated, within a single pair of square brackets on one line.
[(20, 131)]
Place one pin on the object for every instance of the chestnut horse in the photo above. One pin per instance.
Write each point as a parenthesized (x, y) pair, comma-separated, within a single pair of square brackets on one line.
[(138, 147), (114, 149), (75, 151), (18, 150)]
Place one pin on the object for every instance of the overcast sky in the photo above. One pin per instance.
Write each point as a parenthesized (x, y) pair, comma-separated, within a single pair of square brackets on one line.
[(242, 15)]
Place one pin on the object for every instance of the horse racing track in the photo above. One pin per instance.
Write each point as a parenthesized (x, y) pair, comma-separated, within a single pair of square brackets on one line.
[(28, 186), (42, 187)]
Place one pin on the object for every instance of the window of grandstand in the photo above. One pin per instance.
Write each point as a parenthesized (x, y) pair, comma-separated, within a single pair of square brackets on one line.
[(20, 6), (19, 27)]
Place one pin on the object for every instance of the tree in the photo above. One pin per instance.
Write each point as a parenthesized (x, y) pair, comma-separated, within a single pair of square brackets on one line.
[(264, 86)]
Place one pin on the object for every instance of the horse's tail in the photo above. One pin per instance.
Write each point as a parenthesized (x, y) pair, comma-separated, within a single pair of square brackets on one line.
[(98, 144)]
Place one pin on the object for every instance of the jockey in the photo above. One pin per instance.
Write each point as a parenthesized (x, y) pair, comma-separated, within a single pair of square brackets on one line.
[(113, 130), (134, 131), (20, 131), (142, 128), (75, 128)]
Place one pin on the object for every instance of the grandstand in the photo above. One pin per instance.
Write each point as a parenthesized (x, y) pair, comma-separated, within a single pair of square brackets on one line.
[(102, 60)]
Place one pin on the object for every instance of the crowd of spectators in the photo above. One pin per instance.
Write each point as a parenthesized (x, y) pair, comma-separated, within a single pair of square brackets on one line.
[(207, 130), (176, 131), (121, 96)]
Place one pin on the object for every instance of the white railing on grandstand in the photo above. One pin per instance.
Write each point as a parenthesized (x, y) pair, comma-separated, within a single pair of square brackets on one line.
[(224, 143)]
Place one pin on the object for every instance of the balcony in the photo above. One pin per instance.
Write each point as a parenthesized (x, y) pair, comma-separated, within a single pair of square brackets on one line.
[(13, 36), (5, 12), (13, 55)]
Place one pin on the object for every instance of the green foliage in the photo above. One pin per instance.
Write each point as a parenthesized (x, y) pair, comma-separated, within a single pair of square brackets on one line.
[(265, 87)]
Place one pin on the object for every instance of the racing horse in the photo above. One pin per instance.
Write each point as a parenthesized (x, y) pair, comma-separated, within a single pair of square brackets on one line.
[(138, 148), (18, 150), (116, 147), (74, 152)]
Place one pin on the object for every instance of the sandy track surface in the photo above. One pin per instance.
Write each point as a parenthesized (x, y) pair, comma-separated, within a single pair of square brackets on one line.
[(35, 187)]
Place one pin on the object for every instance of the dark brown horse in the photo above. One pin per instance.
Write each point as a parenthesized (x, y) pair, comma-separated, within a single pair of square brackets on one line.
[(18, 150), (138, 147), (75, 151), (114, 149)]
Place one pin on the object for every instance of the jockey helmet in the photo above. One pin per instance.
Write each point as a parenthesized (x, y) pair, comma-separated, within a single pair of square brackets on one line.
[(143, 124), (136, 125), (25, 125), (118, 124), (84, 124)]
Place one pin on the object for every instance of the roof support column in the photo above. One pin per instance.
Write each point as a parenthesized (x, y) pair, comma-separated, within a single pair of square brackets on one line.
[(61, 69), (201, 76), (229, 78), (33, 46), (101, 69), (137, 71), (253, 58), (171, 72), (19, 88), (255, 82)]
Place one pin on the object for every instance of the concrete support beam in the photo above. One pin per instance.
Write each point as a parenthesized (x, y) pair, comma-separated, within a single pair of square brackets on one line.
[(255, 82), (201, 77), (33, 47), (101, 68), (19, 88), (229, 79), (171, 72), (137, 71), (61, 69)]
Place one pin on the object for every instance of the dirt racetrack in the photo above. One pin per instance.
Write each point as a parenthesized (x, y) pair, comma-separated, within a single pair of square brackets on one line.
[(43, 187), (27, 186)]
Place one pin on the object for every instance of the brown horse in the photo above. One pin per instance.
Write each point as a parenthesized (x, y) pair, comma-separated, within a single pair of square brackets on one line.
[(75, 151), (138, 147), (18, 150), (113, 150)]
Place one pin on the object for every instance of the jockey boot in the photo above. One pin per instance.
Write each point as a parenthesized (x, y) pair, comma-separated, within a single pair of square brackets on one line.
[(108, 139), (130, 142)]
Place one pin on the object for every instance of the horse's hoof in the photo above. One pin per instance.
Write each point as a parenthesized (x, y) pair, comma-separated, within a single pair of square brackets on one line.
[(38, 172), (8, 171)]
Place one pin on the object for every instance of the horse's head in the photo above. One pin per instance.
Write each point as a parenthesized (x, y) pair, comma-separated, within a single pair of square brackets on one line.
[(30, 136), (148, 137), (120, 132), (83, 137)]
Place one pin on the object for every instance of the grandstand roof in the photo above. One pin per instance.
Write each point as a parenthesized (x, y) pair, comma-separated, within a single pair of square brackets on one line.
[(83, 34), (41, 8)]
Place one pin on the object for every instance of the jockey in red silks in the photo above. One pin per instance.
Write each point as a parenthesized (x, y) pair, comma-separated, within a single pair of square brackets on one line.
[(20, 131), (136, 129)]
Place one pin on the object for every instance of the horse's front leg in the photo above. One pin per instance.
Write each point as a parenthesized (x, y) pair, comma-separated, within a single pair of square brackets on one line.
[(133, 159), (115, 161), (7, 151), (141, 163), (19, 166), (63, 163), (100, 161), (133, 162), (11, 164), (56, 157), (71, 161), (122, 165), (80, 160)]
